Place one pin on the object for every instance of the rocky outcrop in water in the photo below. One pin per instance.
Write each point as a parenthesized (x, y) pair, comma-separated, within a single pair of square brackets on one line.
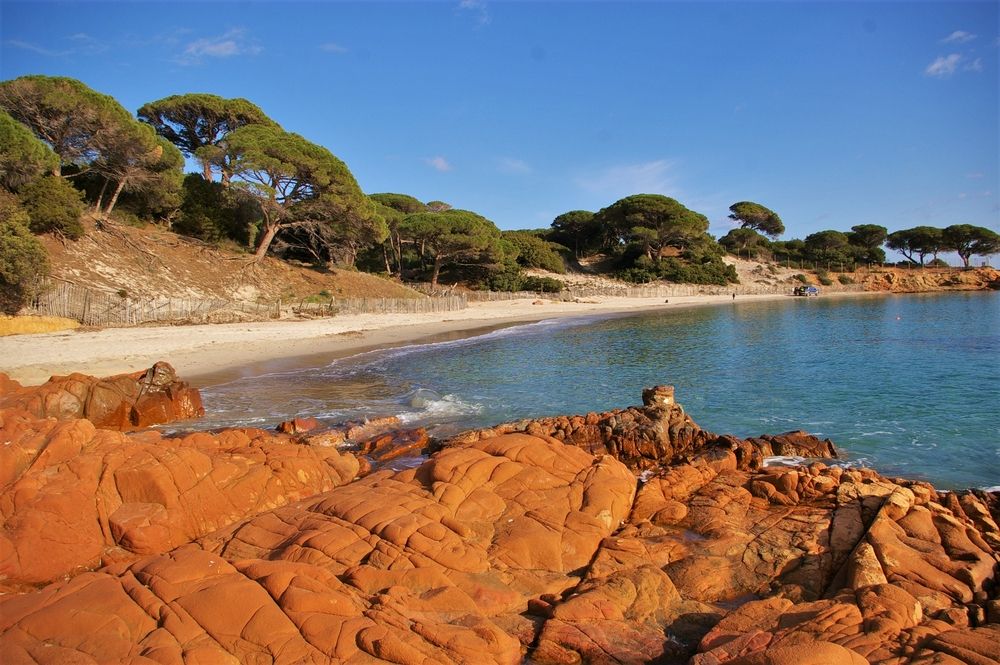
[(123, 402), (658, 432), (513, 544)]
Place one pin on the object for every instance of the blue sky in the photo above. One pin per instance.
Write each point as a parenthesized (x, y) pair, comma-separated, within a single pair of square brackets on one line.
[(832, 114)]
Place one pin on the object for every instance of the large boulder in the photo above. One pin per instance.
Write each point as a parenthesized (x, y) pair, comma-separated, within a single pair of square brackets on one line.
[(122, 402)]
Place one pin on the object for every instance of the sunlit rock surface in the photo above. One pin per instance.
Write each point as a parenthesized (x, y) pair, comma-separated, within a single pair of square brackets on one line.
[(628, 537)]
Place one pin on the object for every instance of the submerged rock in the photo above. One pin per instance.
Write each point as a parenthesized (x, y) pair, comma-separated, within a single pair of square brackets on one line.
[(538, 542)]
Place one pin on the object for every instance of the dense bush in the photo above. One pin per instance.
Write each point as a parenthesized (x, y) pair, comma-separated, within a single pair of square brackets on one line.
[(707, 270), (211, 213), (53, 206), (512, 279), (23, 262), (845, 279), (824, 277), (802, 278), (534, 252), (542, 284)]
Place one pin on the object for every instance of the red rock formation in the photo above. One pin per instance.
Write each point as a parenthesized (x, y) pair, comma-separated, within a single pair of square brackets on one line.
[(123, 402), (918, 280), (518, 545), (72, 495)]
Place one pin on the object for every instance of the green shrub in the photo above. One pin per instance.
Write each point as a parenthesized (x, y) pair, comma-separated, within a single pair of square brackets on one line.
[(802, 278), (508, 279), (23, 261), (53, 206), (845, 279), (712, 271), (534, 252), (636, 275), (542, 285)]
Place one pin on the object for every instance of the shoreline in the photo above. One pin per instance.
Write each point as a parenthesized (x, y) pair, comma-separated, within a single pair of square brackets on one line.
[(208, 354)]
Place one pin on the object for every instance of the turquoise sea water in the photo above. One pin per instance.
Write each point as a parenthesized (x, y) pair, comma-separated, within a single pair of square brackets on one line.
[(907, 384)]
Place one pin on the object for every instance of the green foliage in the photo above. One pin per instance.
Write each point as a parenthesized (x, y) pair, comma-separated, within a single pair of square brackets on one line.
[(22, 156), (303, 188), (637, 275), (651, 220), (453, 236), (845, 279), (23, 261), (745, 241), (403, 203), (543, 284), (755, 216), (829, 247), (824, 277), (577, 230), (968, 240), (919, 241), (532, 251), (64, 113), (212, 213), (802, 278), (53, 206), (198, 123), (709, 270), (88, 130), (868, 238), (938, 263), (511, 279)]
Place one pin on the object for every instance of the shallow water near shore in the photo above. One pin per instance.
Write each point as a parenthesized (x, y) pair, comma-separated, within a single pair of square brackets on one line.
[(906, 384)]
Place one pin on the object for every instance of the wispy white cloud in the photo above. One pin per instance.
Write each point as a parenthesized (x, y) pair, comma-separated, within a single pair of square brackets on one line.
[(958, 37), (35, 48), (438, 163), (974, 66), (88, 44), (943, 66), (478, 9), (333, 47), (232, 43), (655, 177), (975, 175), (514, 166)]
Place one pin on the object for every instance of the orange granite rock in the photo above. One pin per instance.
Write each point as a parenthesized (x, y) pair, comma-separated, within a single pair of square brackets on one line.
[(514, 545), (72, 494), (123, 402)]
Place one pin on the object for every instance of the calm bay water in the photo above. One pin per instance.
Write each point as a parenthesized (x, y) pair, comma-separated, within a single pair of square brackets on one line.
[(906, 384)]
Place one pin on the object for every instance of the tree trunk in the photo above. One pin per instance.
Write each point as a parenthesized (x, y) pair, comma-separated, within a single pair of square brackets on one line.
[(100, 197), (385, 256), (437, 271), (270, 230), (114, 197), (206, 170)]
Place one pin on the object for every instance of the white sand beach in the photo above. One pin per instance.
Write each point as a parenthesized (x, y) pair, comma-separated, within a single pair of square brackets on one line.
[(200, 351)]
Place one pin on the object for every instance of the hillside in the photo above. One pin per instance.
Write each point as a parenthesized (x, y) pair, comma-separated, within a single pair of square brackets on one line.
[(150, 262)]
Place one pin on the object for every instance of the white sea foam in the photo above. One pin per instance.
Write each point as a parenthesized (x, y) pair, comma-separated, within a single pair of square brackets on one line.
[(784, 460), (439, 409), (992, 488)]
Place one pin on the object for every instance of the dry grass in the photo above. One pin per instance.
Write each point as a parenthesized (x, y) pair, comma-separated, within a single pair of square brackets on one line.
[(26, 325)]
